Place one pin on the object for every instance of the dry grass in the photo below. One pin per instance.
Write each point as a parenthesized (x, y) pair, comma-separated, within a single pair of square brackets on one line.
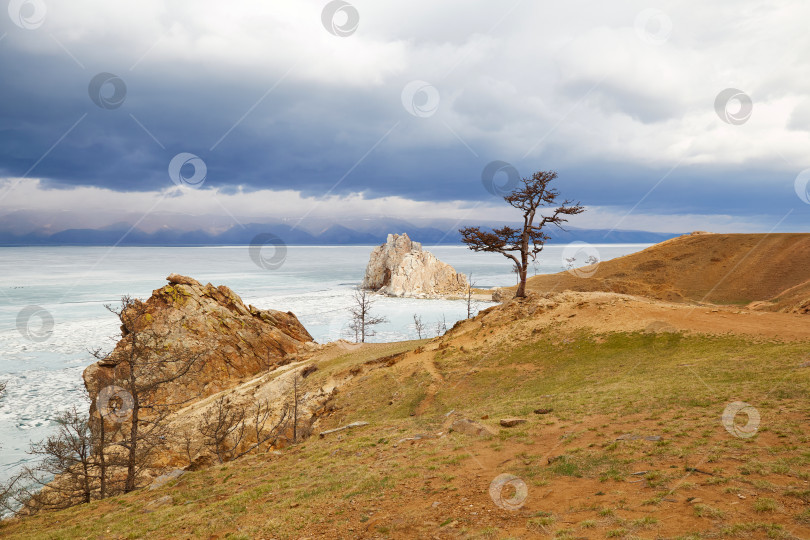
[(733, 269)]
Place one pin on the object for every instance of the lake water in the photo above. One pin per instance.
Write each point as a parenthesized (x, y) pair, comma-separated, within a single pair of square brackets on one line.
[(71, 285)]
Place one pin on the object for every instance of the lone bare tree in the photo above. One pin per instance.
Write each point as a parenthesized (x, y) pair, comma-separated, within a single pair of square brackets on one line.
[(363, 323), (103, 433), (140, 397), (67, 472), (441, 326), (296, 397), (418, 325), (470, 302), (523, 244)]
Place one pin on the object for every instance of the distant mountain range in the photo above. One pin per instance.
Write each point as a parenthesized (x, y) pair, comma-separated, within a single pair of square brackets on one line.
[(334, 234)]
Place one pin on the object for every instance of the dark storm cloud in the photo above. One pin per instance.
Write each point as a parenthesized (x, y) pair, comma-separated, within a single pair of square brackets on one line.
[(604, 122), (299, 136)]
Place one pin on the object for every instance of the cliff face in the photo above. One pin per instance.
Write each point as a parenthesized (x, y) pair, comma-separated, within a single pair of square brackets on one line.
[(231, 340), (401, 268)]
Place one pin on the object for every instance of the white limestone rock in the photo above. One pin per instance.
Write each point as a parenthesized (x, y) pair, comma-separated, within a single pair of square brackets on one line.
[(401, 268)]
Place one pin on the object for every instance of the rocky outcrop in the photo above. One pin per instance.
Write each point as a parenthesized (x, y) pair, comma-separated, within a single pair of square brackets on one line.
[(231, 341), (273, 391), (401, 268), (470, 427), (500, 294)]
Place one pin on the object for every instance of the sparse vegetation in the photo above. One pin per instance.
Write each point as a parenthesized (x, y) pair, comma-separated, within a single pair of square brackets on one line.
[(362, 321), (441, 326), (542, 524), (592, 440), (231, 430), (72, 456)]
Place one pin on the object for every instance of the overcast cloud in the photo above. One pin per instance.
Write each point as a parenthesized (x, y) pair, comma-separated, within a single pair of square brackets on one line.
[(292, 121)]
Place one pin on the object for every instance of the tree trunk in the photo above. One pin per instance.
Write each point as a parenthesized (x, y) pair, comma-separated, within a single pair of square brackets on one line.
[(521, 290), (295, 409), (86, 487), (524, 256), (102, 460), (133, 449)]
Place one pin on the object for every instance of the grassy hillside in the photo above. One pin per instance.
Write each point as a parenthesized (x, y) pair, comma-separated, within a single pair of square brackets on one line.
[(629, 443), (719, 268)]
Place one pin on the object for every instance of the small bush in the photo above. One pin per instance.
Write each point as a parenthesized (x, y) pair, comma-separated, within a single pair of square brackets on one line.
[(765, 504), (704, 510)]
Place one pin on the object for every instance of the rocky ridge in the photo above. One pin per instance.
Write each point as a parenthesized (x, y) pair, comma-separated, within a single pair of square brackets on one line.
[(233, 340)]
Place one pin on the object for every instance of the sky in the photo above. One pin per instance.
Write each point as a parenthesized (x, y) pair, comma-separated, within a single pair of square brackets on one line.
[(658, 116)]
